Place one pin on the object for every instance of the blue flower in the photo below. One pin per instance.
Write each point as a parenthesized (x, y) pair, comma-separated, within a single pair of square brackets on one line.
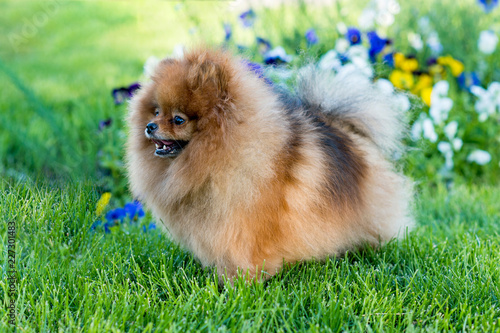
[(247, 18), (95, 224), (117, 214), (311, 37), (277, 56), (151, 226), (468, 79), (227, 32), (389, 59), (133, 209), (121, 94), (377, 44), (105, 123), (488, 5), (353, 36), (263, 44)]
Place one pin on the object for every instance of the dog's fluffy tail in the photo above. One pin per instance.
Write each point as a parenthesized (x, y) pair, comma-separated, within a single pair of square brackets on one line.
[(351, 98)]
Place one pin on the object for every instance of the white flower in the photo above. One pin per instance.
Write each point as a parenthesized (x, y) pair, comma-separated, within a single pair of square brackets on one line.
[(488, 100), (424, 25), (479, 156), (357, 51), (423, 125), (487, 42), (457, 144), (429, 132), (447, 151), (400, 100), (434, 43), (330, 60), (450, 130), (341, 28), (366, 20), (150, 66), (278, 52), (385, 18), (440, 103), (341, 45), (415, 41)]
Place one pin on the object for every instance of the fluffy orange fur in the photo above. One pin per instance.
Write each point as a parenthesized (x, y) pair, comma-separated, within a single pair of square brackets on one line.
[(257, 183)]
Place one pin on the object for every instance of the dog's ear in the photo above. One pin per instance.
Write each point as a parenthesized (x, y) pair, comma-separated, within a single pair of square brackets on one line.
[(209, 74)]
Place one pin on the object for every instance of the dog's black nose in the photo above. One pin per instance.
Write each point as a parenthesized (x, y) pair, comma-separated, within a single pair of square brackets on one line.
[(151, 127)]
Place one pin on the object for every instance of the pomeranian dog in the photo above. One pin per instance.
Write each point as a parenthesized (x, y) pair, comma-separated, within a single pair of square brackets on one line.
[(247, 176)]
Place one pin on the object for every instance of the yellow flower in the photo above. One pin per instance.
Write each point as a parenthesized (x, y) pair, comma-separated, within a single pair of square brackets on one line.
[(424, 81), (456, 67), (406, 64), (401, 80), (426, 95), (102, 203)]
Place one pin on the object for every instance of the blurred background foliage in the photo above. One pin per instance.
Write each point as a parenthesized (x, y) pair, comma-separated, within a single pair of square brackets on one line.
[(60, 60)]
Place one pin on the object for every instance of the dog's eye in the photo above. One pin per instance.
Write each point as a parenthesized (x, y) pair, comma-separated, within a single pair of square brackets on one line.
[(157, 112), (178, 120)]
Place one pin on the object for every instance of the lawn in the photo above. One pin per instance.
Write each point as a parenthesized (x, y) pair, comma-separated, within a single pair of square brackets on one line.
[(56, 80)]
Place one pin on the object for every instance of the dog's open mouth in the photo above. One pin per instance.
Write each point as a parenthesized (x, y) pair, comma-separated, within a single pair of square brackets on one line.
[(166, 148)]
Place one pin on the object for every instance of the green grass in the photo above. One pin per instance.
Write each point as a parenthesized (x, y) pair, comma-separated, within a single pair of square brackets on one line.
[(444, 276), (54, 164)]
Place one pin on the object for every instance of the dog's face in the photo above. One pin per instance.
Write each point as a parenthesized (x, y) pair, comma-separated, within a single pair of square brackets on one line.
[(180, 102)]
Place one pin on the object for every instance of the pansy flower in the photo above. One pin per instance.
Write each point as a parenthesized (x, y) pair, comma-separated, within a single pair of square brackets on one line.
[(120, 95), (247, 18), (263, 45), (311, 37), (401, 79), (277, 56), (151, 226), (134, 209), (377, 44), (353, 36), (227, 32), (105, 123), (389, 59), (257, 69), (468, 79), (407, 64), (488, 5), (117, 214), (456, 66)]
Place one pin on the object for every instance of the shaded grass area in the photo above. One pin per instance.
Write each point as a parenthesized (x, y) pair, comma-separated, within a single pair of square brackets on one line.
[(444, 276)]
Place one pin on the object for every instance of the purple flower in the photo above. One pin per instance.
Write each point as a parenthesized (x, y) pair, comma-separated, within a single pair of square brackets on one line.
[(311, 37), (277, 56), (353, 36), (121, 94), (488, 5), (468, 79), (117, 214), (247, 18), (377, 44), (105, 123), (389, 59), (263, 44), (257, 69), (227, 32), (133, 209)]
